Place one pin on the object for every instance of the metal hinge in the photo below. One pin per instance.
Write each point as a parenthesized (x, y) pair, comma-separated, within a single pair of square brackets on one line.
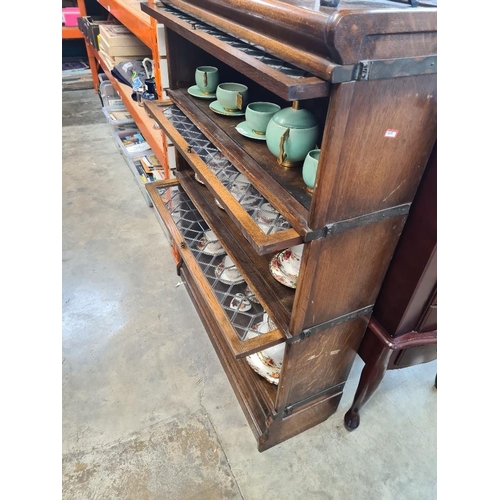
[(344, 225), (307, 332), (393, 68), (335, 391)]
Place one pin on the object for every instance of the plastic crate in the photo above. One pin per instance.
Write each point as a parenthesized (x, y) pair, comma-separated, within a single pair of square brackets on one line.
[(139, 175), (109, 95), (103, 77), (115, 116), (131, 150)]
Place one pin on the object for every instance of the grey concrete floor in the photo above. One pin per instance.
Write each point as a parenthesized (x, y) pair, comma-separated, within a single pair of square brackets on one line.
[(148, 412)]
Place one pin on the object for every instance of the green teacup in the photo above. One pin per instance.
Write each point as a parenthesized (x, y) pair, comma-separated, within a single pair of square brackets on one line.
[(207, 78), (232, 96), (258, 114), (309, 169)]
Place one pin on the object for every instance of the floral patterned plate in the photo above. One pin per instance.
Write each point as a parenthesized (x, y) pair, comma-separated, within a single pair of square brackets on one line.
[(278, 274), (270, 374)]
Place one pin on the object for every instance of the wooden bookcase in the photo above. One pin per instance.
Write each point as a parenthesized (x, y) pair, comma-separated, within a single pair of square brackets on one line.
[(368, 73)]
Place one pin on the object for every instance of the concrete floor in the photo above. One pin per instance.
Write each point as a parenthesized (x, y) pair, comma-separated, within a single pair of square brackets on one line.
[(148, 413)]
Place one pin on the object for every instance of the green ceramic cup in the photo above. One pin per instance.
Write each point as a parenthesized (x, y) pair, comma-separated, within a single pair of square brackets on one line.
[(207, 78), (309, 169), (258, 114), (232, 96)]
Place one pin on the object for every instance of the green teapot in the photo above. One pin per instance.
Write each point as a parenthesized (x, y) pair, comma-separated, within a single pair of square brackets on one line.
[(291, 134)]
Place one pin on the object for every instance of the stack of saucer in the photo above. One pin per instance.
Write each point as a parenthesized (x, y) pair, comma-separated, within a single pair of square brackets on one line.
[(266, 363), (285, 266)]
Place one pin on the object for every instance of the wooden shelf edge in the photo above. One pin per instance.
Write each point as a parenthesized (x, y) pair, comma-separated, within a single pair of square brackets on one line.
[(248, 385), (153, 136)]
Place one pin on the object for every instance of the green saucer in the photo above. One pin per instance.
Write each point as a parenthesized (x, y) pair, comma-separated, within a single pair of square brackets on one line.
[(244, 129), (216, 107), (196, 92)]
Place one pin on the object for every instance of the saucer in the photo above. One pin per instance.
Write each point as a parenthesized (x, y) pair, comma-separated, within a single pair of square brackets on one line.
[(278, 274), (196, 92), (216, 107), (221, 273), (244, 129), (272, 375), (196, 176), (240, 303)]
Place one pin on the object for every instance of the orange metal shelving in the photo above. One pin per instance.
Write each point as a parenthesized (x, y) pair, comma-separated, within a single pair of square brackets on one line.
[(69, 32), (155, 137), (144, 27)]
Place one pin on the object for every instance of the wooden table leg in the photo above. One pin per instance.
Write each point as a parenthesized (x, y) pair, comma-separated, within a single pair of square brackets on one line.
[(371, 376)]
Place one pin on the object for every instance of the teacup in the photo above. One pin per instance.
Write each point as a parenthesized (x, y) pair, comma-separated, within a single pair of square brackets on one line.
[(275, 353), (230, 270), (290, 262), (258, 114), (309, 169), (210, 243), (232, 96), (207, 78)]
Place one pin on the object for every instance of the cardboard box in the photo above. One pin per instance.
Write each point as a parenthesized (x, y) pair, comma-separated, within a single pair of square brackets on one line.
[(117, 35), (132, 52), (90, 26)]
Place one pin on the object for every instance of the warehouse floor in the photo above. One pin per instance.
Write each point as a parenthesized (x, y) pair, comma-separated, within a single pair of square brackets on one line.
[(148, 413)]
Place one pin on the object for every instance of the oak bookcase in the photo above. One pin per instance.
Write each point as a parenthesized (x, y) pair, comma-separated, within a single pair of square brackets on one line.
[(367, 70)]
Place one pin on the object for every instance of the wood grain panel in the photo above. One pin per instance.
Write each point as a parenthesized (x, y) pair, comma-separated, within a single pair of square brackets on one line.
[(375, 171), (354, 263), (321, 361)]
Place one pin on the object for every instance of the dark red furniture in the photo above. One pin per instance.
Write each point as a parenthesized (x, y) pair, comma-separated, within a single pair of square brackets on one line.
[(403, 329)]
